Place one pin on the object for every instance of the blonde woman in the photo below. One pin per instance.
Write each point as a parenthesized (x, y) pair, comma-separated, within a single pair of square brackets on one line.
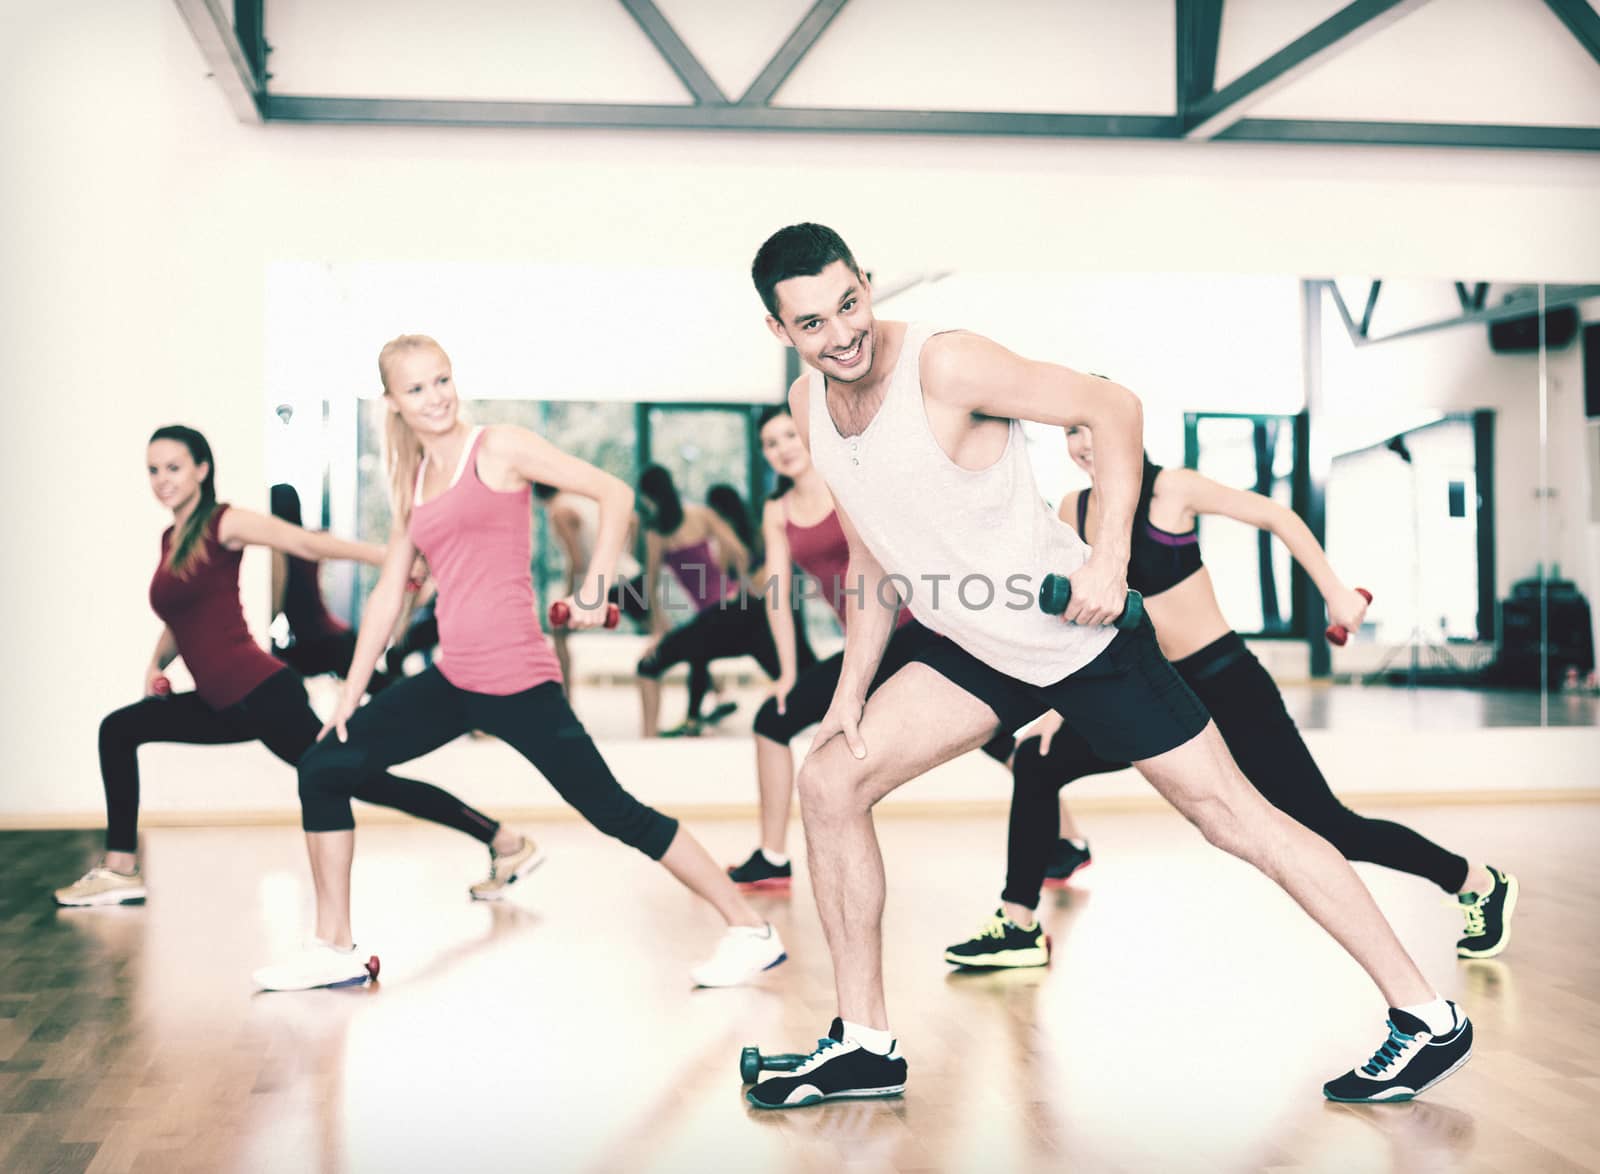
[(463, 498)]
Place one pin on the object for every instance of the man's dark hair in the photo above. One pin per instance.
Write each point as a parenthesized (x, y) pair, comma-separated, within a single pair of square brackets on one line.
[(801, 250)]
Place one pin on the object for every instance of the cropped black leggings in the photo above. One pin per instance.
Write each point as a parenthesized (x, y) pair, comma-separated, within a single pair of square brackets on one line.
[(1245, 703), (423, 712), (739, 629), (276, 714)]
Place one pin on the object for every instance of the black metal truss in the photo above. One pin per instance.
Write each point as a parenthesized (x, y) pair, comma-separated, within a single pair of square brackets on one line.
[(1202, 111), (1582, 22), (1220, 109), (1518, 305)]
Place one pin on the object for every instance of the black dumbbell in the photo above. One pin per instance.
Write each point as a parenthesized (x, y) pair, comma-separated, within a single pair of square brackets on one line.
[(752, 1063), (1056, 592)]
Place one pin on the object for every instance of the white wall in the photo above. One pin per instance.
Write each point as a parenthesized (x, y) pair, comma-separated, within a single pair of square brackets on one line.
[(141, 218)]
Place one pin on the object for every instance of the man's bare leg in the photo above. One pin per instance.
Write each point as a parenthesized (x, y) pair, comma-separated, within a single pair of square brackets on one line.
[(915, 721), (1203, 782)]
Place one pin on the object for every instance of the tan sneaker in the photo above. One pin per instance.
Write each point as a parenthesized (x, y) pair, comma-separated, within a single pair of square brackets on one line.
[(507, 870), (101, 886)]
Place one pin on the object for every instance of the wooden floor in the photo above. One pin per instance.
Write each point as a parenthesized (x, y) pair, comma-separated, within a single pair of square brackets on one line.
[(1186, 1023)]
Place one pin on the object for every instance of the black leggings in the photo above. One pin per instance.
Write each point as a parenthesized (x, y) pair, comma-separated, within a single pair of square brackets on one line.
[(716, 633), (423, 712), (325, 654), (275, 713), (1245, 703), (333, 654)]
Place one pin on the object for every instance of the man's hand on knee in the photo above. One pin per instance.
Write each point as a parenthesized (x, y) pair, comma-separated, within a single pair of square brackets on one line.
[(843, 719)]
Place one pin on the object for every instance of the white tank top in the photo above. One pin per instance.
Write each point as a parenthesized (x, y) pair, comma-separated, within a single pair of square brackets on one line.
[(968, 548), (588, 511)]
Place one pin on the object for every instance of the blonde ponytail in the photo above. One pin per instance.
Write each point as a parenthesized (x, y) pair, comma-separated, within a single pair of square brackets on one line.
[(402, 449)]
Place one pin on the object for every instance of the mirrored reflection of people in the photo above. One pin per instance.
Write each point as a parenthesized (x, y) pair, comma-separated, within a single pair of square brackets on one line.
[(696, 545), (575, 523), (318, 641)]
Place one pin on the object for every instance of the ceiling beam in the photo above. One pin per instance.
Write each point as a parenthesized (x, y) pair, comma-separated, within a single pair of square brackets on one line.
[(219, 46), (1413, 134), (1351, 24), (1519, 305), (1581, 20), (678, 55), (1372, 304), (1199, 30), (799, 119), (798, 44), (731, 116)]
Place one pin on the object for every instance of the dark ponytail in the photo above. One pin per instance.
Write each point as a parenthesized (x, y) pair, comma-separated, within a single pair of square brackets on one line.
[(188, 545)]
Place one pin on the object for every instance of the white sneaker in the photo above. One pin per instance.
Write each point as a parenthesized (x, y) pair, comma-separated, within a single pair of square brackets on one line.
[(743, 953), (101, 886), (318, 965), (507, 870)]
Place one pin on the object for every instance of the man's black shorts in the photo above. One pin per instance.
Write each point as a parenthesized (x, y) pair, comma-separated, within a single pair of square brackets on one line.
[(1128, 703)]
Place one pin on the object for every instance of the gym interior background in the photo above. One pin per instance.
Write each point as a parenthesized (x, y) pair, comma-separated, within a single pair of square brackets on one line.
[(1353, 265)]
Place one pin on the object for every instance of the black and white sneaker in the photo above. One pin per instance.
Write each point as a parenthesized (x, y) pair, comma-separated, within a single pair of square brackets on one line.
[(1411, 1061), (1065, 862), (1001, 943), (839, 1069), (1488, 917), (760, 873)]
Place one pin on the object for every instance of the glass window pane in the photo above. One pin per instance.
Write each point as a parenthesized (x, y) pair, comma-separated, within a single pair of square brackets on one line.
[(702, 448)]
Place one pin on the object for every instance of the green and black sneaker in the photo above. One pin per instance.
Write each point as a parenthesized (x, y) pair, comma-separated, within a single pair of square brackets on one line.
[(1488, 917), (1002, 943)]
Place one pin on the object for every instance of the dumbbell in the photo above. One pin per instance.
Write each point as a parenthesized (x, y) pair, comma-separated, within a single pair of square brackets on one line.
[(161, 686), (560, 614), (752, 1063), (1056, 592), (1337, 635)]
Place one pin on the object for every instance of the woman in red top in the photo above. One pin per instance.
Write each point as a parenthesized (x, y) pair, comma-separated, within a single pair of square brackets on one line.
[(801, 528), (462, 496), (241, 693)]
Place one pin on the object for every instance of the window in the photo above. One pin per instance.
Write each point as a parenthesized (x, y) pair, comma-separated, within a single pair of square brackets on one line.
[(1250, 569)]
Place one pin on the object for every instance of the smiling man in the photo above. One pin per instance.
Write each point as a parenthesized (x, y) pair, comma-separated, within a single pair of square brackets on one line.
[(918, 434)]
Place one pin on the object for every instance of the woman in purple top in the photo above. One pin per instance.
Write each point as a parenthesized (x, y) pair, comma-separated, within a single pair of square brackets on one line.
[(695, 543)]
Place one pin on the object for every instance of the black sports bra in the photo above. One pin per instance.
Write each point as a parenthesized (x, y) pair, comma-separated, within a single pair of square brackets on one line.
[(1159, 560)]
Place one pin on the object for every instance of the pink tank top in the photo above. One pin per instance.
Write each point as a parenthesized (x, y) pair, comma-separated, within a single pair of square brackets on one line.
[(823, 552), (479, 547)]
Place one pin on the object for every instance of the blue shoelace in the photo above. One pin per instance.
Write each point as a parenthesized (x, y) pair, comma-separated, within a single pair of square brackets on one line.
[(1389, 1052), (822, 1046)]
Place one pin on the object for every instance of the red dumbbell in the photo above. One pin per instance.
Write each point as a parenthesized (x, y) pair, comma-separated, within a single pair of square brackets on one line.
[(161, 686), (1337, 635), (560, 614)]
